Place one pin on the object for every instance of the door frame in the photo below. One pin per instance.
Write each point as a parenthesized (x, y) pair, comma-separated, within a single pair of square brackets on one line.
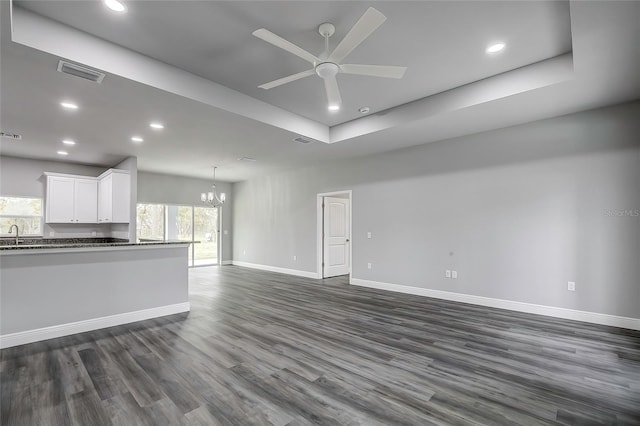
[(320, 223), (218, 237)]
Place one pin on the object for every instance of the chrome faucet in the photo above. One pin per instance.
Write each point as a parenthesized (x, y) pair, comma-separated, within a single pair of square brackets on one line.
[(17, 232)]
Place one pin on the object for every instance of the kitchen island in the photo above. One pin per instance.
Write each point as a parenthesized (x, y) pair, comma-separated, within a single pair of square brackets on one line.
[(55, 288)]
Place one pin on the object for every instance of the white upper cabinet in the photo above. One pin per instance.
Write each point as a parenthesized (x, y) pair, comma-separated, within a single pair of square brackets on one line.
[(86, 205), (60, 200), (84, 199), (114, 197), (71, 199)]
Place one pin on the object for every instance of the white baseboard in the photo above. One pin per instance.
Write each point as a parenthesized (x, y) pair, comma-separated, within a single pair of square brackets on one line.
[(296, 272), (227, 262), (551, 311), (45, 333)]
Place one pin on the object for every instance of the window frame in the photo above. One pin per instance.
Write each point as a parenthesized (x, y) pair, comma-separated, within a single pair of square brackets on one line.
[(165, 230)]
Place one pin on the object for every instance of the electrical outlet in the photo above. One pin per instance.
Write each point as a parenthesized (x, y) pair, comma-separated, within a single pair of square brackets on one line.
[(244, 252), (454, 274), (93, 233), (369, 235), (369, 265), (295, 257), (571, 286), (51, 233), (225, 232), (447, 273)]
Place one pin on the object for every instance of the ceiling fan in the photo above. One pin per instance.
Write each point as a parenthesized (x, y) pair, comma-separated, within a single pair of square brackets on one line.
[(328, 64)]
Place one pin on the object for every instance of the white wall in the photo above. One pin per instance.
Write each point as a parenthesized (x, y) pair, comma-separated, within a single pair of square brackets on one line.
[(170, 189), (518, 212)]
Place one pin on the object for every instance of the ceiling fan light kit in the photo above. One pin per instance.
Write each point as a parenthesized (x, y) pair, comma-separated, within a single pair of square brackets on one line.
[(329, 64)]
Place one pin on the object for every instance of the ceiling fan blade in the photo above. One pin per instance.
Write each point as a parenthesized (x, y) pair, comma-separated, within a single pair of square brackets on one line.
[(278, 41), (367, 24), (288, 79), (387, 71), (333, 93)]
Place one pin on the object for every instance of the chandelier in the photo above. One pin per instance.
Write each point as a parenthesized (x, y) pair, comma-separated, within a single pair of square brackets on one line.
[(212, 197)]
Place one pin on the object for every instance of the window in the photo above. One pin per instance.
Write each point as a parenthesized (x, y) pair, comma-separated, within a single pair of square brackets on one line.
[(184, 223), (22, 211), (150, 222), (179, 223), (179, 226)]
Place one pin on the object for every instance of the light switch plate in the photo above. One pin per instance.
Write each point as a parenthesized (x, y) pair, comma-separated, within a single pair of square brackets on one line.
[(369, 235), (369, 265), (571, 286), (447, 273), (454, 274)]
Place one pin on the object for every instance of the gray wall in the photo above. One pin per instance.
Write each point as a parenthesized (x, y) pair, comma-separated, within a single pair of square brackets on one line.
[(129, 230), (48, 289), (517, 212), (24, 177), (170, 189)]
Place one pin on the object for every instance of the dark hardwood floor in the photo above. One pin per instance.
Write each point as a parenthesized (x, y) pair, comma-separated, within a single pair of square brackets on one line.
[(262, 348)]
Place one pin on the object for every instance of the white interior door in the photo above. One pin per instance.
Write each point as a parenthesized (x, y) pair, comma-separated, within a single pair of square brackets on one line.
[(336, 237)]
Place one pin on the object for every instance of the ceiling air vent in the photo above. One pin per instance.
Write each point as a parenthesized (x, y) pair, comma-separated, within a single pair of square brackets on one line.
[(80, 71), (300, 139), (13, 136)]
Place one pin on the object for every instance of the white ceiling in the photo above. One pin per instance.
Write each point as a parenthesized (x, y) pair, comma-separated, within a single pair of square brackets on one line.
[(442, 43)]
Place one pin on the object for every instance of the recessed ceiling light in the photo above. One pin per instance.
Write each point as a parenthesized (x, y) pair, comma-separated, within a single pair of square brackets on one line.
[(115, 5), (68, 105), (363, 110), (334, 107), (495, 48), (68, 142), (137, 139), (63, 153), (156, 125)]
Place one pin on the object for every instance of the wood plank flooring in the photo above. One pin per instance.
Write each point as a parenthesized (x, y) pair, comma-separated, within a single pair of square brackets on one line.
[(260, 348)]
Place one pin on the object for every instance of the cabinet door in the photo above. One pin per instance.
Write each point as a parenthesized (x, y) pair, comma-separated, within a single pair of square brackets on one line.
[(105, 208), (60, 199), (121, 198), (86, 197)]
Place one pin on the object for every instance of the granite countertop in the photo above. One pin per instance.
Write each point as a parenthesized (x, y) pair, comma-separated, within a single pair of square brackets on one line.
[(7, 244)]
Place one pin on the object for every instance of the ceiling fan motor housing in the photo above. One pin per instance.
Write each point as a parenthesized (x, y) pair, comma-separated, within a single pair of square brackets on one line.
[(327, 69)]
